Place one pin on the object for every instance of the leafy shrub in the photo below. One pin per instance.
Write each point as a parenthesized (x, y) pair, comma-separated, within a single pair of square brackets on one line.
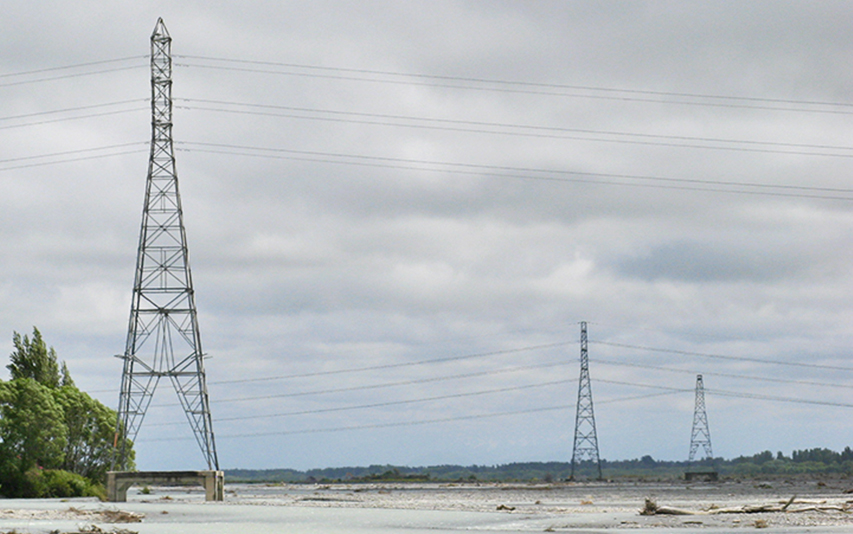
[(45, 483)]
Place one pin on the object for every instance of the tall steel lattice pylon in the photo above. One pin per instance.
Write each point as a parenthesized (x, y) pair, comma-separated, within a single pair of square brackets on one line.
[(700, 436), (163, 338), (586, 439)]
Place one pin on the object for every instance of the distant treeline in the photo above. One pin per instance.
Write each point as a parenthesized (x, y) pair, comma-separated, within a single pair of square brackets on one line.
[(810, 461)]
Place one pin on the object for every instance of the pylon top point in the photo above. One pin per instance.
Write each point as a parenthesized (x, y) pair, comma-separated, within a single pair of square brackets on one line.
[(160, 30)]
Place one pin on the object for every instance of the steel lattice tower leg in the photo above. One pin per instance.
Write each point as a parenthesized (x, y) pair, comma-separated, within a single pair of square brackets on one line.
[(700, 436), (586, 440), (163, 338)]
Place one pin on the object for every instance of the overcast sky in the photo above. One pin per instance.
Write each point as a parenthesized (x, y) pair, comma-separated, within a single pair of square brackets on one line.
[(399, 212)]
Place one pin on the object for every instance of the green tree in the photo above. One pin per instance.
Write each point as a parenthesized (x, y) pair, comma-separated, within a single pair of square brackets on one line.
[(32, 430), (33, 359), (51, 433), (90, 428)]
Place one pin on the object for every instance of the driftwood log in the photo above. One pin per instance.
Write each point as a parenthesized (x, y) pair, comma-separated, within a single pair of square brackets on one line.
[(652, 508)]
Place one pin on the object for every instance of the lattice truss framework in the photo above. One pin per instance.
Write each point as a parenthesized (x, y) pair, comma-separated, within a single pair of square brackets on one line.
[(163, 338), (700, 436), (586, 439)]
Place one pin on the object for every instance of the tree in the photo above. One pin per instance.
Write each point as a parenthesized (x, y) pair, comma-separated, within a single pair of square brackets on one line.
[(33, 359), (66, 376), (46, 423), (90, 428), (31, 426)]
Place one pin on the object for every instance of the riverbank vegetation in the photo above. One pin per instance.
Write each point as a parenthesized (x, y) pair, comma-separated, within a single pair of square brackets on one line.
[(55, 440), (809, 462)]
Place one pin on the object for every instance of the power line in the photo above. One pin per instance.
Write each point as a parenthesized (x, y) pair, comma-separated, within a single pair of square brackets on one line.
[(63, 119), (666, 390), (361, 157), (68, 152), (724, 357), (74, 66), (725, 375), (411, 423), (532, 130), (384, 404), (377, 367), (71, 75), (713, 186), (385, 385), (457, 168), (78, 108), (510, 86), (395, 365), (379, 425), (735, 394), (508, 351), (68, 160)]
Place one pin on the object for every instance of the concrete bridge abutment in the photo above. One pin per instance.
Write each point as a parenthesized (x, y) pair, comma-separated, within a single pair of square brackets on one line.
[(118, 482)]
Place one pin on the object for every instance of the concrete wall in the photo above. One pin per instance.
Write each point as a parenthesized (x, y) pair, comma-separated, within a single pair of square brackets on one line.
[(118, 482)]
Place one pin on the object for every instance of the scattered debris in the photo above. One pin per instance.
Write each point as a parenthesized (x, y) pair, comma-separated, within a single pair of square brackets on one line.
[(121, 516), (95, 529), (505, 507), (107, 516), (651, 508)]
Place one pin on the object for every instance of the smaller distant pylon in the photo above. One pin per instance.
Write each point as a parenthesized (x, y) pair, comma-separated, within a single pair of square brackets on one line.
[(700, 436), (586, 439)]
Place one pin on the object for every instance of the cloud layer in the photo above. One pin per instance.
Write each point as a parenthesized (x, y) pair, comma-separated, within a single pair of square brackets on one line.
[(399, 213)]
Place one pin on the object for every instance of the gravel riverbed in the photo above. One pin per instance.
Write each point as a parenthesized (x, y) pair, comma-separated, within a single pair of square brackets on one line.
[(810, 506)]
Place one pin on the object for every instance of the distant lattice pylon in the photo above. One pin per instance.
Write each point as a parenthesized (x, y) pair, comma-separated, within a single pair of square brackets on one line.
[(700, 436), (163, 339), (586, 440)]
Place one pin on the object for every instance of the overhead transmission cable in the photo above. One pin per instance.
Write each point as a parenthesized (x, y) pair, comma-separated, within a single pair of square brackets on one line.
[(70, 75), (381, 366), (78, 108), (395, 365), (383, 404), (524, 130), (77, 117), (31, 163), (384, 385), (735, 394), (613, 179), (809, 365), (376, 425), (724, 375), (513, 86), (665, 390), (413, 422), (73, 66)]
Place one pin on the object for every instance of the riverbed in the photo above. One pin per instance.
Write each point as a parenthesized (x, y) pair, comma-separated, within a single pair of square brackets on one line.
[(813, 506)]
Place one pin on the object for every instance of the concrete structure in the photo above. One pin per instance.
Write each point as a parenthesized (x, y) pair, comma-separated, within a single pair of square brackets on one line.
[(119, 481)]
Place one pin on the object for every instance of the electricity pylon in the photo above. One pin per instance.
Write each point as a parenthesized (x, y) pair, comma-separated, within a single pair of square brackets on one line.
[(586, 439), (163, 338), (700, 436)]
